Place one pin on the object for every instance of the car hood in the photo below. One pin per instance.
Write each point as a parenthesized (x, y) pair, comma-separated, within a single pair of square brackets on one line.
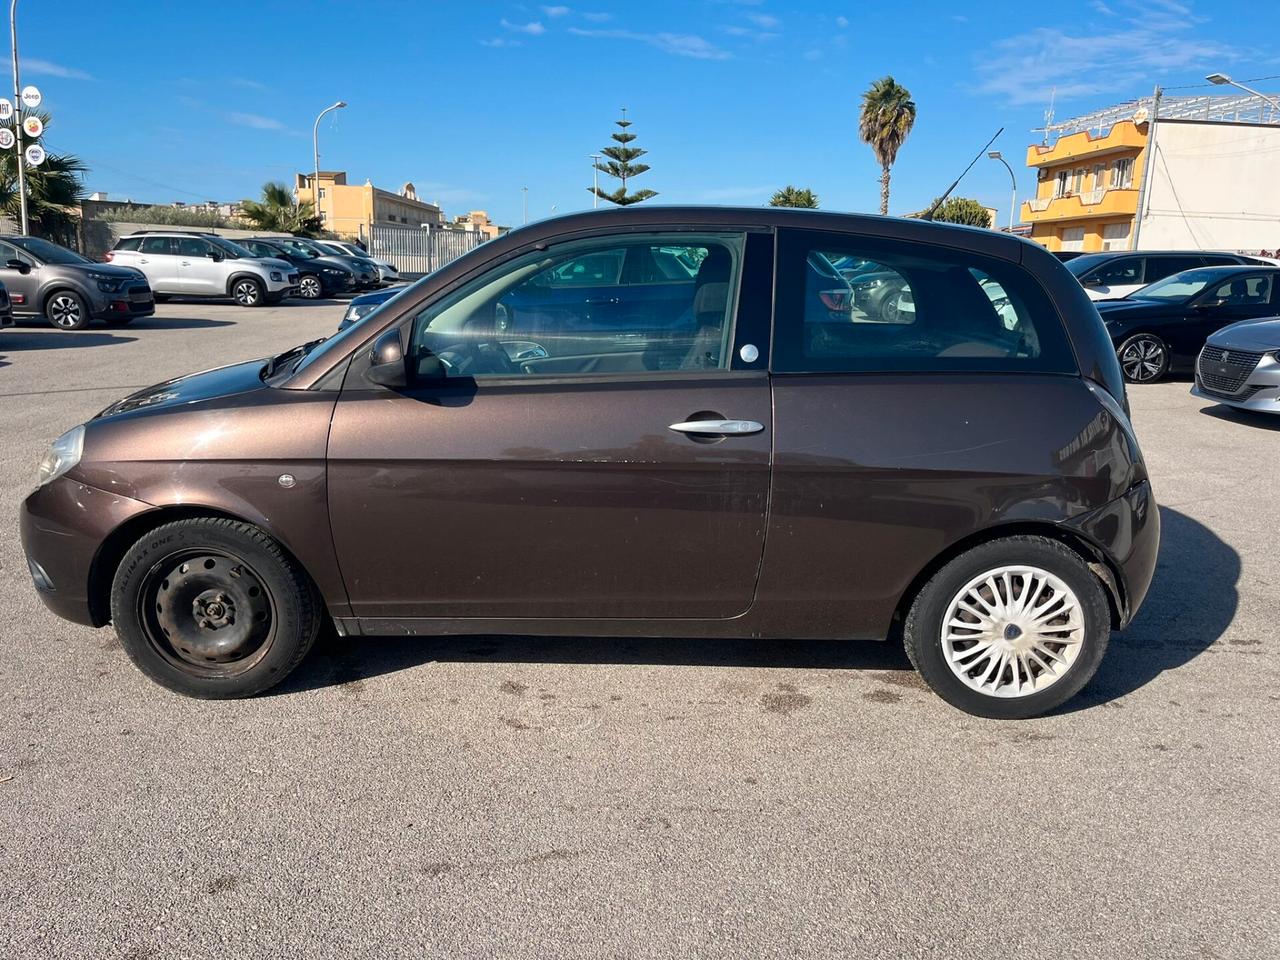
[(193, 388), (107, 270), (1262, 334), (332, 262), (272, 263), (1134, 309)]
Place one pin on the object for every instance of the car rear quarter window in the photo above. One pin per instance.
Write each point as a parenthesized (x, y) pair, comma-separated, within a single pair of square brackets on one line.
[(1160, 267), (865, 305), (128, 243), (1122, 272), (157, 246)]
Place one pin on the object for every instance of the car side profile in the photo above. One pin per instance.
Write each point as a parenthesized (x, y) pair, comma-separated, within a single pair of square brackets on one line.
[(317, 276), (46, 280), (724, 454), (1162, 327), (188, 264), (1114, 275)]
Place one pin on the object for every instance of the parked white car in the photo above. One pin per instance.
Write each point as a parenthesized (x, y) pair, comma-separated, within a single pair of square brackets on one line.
[(185, 264), (1113, 276), (386, 272)]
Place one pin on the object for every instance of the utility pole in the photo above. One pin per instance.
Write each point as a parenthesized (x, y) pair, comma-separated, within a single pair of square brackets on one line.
[(1148, 168), (1013, 199), (524, 203), (17, 113)]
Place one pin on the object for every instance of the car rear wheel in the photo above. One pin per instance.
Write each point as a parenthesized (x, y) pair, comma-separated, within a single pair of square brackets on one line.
[(1144, 358), (66, 310), (1010, 629), (309, 288), (213, 608), (248, 292)]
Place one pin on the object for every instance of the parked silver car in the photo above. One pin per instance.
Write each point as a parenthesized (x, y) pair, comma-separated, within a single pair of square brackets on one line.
[(68, 290), (185, 264), (1240, 366)]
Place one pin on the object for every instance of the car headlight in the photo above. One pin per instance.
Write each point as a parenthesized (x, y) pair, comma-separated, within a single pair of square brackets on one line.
[(276, 276), (109, 286), (333, 271), (64, 453)]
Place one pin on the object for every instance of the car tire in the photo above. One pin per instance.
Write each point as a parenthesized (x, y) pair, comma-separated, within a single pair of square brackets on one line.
[(310, 288), (1144, 358), (889, 307), (248, 292), (213, 608), (66, 310), (983, 638)]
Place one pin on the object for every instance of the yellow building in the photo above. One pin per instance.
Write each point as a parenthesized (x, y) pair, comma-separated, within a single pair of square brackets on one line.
[(1087, 187), (350, 210)]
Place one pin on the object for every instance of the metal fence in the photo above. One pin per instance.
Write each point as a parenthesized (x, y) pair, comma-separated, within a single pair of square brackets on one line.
[(420, 249)]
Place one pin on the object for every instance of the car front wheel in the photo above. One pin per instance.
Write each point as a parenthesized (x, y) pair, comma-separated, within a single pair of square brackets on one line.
[(213, 608), (66, 310), (248, 292), (309, 288), (1144, 358), (1010, 629)]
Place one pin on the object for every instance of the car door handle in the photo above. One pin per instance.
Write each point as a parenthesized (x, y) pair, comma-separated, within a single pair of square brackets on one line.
[(143, 260), (735, 428), (186, 263)]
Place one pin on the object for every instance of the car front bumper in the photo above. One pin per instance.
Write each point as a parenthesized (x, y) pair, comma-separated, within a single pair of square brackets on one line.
[(1259, 392), (64, 525)]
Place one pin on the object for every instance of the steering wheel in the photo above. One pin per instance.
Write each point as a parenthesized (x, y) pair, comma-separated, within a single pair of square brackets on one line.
[(466, 358)]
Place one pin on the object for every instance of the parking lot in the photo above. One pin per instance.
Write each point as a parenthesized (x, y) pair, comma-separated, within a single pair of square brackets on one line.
[(500, 797)]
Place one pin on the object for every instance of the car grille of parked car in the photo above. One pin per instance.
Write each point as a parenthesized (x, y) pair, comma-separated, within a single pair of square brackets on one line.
[(1225, 371)]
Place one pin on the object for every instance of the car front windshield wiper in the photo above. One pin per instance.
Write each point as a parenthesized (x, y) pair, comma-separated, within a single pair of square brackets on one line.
[(294, 354)]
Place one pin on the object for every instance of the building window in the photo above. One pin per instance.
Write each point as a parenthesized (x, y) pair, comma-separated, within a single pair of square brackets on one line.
[(1115, 236), (1072, 239), (1077, 180), (322, 193), (1122, 173), (1060, 187), (1099, 177)]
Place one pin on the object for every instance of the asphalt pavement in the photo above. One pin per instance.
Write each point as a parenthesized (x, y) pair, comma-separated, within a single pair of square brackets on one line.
[(496, 797)]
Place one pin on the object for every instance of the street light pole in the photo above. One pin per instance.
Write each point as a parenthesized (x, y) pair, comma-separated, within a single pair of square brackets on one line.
[(315, 150), (17, 113), (1222, 80), (595, 181), (524, 203), (1013, 199)]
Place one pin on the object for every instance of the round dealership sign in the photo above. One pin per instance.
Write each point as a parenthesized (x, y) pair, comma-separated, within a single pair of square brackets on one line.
[(33, 127), (6, 138), (34, 155), (31, 97), (6, 109)]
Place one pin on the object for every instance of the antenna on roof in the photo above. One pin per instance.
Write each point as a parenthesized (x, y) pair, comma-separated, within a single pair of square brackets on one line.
[(928, 214), (1048, 114)]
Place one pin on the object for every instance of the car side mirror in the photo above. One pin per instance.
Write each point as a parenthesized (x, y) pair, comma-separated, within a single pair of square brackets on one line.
[(386, 361), (20, 265), (215, 255)]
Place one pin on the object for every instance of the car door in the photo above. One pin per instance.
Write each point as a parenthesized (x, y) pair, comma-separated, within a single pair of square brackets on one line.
[(158, 260), (23, 284), (199, 273), (562, 478), (1242, 297)]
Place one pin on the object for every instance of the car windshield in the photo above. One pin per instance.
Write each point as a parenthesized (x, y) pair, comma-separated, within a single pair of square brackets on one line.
[(47, 252), (1179, 287), (233, 250), (300, 248)]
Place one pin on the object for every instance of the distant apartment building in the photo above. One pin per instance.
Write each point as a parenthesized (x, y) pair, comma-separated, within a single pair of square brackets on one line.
[(477, 221), (1209, 182), (350, 210)]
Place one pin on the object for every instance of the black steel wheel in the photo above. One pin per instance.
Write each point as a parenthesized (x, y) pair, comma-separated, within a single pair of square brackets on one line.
[(213, 608)]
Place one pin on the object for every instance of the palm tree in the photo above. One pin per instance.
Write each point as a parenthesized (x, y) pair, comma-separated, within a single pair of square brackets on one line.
[(54, 191), (790, 196), (278, 213), (888, 114)]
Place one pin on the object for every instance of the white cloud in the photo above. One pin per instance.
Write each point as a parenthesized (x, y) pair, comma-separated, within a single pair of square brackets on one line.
[(255, 121), (594, 17), (1147, 42), (533, 28), (812, 55), (556, 11), (750, 32), (501, 42), (842, 22), (678, 44), (763, 20), (45, 68)]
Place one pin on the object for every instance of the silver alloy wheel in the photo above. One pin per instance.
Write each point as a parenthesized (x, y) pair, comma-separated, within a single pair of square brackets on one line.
[(309, 287), (65, 311), (1143, 359), (246, 292), (1012, 631)]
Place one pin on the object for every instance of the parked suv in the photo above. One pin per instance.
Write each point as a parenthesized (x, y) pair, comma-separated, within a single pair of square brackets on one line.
[(205, 265), (366, 270), (68, 290), (1110, 276), (556, 434), (317, 276), (387, 273)]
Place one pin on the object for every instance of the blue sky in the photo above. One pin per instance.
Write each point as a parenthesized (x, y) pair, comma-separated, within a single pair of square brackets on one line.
[(473, 100)]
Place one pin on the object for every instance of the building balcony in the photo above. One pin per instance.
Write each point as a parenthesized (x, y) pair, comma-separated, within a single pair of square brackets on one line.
[(1123, 137), (1079, 206)]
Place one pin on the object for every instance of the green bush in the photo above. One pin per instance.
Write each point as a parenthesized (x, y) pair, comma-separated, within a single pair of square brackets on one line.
[(162, 216)]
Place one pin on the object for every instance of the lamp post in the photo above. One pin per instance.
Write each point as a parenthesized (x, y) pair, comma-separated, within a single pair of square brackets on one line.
[(1013, 199), (1222, 80), (524, 204), (17, 114), (595, 181), (315, 150)]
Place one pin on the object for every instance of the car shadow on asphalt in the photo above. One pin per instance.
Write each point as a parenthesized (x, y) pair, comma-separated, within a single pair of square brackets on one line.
[(57, 340), (1248, 418), (1190, 606)]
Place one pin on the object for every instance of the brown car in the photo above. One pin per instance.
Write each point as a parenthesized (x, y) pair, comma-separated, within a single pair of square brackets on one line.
[(654, 422)]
